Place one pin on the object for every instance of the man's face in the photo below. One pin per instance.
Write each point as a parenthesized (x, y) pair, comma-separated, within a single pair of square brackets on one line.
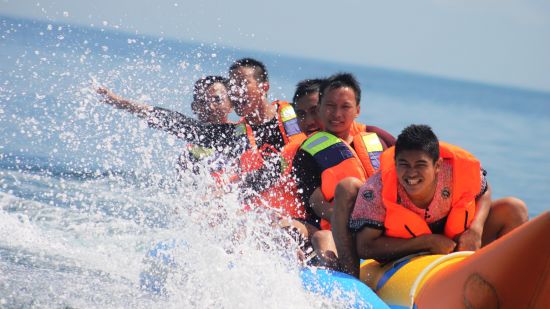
[(338, 110), (417, 173), (214, 106), (245, 92), (306, 112)]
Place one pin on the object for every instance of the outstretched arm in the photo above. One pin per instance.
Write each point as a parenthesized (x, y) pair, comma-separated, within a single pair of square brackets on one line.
[(192, 130), (219, 136), (109, 97)]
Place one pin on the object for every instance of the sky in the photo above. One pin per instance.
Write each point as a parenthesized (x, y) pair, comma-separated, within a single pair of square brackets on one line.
[(503, 42)]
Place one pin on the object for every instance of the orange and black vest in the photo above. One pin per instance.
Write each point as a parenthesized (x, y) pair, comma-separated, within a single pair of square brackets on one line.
[(337, 160), (282, 195), (252, 159), (403, 223), (289, 151)]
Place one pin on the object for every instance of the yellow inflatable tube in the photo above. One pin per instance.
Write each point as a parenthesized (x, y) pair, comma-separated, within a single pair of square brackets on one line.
[(511, 272), (398, 282)]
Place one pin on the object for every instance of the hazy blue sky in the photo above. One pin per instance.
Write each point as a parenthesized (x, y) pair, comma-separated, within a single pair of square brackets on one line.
[(495, 41)]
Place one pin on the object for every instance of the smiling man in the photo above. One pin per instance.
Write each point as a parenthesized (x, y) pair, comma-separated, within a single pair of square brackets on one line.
[(427, 196), (336, 152), (256, 141), (306, 98)]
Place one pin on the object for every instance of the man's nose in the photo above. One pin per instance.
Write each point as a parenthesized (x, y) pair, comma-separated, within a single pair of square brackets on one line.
[(411, 171), (338, 112)]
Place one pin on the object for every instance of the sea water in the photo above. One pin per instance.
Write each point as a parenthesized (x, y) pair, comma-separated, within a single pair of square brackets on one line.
[(87, 190)]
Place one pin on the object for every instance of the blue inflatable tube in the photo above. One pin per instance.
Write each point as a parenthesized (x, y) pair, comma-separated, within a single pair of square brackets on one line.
[(159, 262), (347, 288)]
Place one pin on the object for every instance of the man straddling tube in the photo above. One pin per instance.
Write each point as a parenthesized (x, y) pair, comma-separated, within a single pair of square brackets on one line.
[(427, 196)]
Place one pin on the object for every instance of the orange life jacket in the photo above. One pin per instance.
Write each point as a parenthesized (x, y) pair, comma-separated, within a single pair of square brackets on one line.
[(283, 194), (252, 159), (338, 160), (288, 153), (287, 156), (357, 128), (403, 223)]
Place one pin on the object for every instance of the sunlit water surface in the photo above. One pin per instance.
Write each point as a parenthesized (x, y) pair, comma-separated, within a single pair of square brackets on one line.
[(86, 190)]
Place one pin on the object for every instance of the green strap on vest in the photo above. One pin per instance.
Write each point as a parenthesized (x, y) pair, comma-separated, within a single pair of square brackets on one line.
[(372, 142), (199, 152), (319, 141), (240, 129)]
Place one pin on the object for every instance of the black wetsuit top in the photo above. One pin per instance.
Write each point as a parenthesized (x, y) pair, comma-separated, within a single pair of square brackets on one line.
[(223, 138)]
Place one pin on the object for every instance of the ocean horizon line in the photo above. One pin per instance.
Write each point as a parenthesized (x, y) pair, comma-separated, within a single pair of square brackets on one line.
[(284, 56)]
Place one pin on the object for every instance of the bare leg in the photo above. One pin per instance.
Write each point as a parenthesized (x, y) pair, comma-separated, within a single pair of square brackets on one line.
[(505, 215), (323, 243), (344, 201)]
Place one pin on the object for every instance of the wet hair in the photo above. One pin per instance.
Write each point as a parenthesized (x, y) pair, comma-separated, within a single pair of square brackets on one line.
[(260, 71), (340, 80), (202, 85), (306, 87), (418, 137)]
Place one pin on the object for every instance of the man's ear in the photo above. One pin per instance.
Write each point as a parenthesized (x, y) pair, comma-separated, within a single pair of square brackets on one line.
[(265, 87), (437, 165)]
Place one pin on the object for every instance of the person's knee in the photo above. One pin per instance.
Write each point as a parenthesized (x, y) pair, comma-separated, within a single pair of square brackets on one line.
[(512, 209), (518, 208), (346, 190)]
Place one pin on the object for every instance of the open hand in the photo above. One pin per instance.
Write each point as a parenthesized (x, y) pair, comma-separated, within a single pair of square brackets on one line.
[(106, 93)]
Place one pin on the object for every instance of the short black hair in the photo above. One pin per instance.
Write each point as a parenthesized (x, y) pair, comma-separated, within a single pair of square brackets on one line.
[(418, 137), (202, 85), (340, 80), (260, 71), (306, 87)]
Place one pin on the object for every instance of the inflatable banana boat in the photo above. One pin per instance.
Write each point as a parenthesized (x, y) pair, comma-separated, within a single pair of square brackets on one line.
[(512, 272)]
